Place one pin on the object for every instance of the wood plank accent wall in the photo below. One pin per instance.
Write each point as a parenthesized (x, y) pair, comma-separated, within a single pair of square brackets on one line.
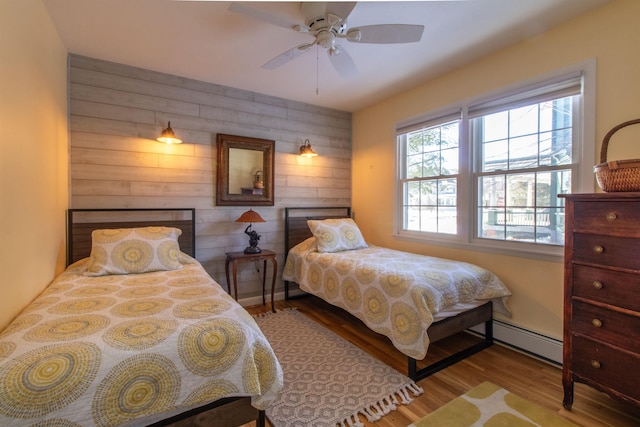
[(116, 113)]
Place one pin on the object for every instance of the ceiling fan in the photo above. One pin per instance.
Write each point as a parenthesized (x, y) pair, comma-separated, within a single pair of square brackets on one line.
[(327, 24)]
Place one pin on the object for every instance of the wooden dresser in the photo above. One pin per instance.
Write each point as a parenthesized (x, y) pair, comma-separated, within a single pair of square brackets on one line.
[(602, 295)]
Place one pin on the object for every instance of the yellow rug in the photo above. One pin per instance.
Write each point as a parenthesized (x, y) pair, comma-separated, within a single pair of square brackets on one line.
[(488, 405)]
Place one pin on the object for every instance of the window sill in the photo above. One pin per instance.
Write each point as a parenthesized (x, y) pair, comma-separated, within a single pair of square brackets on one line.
[(521, 250)]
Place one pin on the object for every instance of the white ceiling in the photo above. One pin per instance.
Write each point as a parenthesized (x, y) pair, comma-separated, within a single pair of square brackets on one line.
[(203, 40)]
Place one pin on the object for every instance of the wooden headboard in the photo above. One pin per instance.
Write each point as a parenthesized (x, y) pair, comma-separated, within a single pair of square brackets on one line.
[(295, 222), (81, 222)]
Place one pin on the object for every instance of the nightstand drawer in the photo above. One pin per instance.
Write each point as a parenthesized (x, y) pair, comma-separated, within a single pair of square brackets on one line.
[(619, 219), (607, 286), (606, 366), (606, 325), (606, 250)]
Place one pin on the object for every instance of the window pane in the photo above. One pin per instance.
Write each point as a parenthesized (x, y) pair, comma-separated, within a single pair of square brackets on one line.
[(520, 190), (492, 190), (496, 126), (495, 155), (447, 220), (412, 193), (523, 121), (450, 161), (523, 152), (491, 223)]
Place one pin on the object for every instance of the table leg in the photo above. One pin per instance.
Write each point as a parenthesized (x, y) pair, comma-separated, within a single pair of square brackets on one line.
[(264, 279), (273, 281), (226, 272), (235, 281)]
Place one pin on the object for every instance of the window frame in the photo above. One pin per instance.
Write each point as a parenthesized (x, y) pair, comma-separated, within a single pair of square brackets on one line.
[(583, 179)]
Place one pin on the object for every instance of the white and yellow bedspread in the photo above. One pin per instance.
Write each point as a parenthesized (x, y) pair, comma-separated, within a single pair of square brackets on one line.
[(103, 351), (394, 293)]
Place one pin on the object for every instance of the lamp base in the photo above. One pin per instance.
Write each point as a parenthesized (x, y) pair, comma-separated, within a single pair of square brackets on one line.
[(252, 250)]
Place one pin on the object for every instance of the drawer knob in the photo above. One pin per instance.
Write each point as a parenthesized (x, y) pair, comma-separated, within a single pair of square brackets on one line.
[(595, 364), (611, 216), (598, 249), (597, 285), (597, 323)]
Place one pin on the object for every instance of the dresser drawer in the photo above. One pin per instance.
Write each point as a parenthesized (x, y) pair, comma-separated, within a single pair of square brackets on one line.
[(607, 286), (606, 366), (620, 219), (607, 250), (610, 326)]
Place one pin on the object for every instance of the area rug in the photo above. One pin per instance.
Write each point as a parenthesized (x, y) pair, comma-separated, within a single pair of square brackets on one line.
[(491, 406), (327, 380)]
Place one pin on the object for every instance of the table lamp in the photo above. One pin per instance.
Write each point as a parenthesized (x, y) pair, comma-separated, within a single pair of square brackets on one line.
[(251, 216)]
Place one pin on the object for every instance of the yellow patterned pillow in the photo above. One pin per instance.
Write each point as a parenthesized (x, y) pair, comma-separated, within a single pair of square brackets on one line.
[(336, 234), (134, 250)]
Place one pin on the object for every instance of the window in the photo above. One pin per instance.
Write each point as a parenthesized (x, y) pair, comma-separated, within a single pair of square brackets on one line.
[(489, 173), (430, 182), (525, 158)]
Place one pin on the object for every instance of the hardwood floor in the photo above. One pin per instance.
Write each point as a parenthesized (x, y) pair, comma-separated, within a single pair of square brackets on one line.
[(530, 378)]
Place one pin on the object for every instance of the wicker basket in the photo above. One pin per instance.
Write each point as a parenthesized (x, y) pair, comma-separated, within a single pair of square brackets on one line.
[(617, 175)]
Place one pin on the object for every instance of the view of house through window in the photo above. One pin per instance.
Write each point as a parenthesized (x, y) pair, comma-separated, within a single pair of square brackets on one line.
[(525, 158), (517, 154)]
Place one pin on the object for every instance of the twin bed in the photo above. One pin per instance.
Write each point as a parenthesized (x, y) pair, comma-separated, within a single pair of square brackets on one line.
[(137, 334), (411, 299)]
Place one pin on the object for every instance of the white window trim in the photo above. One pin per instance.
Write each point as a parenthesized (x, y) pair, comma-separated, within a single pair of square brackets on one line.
[(584, 183)]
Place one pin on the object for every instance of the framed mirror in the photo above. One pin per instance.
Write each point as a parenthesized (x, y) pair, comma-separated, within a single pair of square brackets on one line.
[(245, 171)]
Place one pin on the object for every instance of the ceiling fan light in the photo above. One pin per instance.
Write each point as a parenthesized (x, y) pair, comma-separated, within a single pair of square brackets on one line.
[(335, 51), (354, 35)]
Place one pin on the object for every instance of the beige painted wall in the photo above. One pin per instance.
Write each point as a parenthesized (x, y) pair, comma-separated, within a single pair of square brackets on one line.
[(611, 35), (33, 153)]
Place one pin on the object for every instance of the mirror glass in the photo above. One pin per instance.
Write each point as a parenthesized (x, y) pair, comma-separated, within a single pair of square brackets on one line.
[(245, 171), (244, 168)]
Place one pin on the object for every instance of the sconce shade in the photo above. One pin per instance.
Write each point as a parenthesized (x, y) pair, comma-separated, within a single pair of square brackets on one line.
[(306, 151), (168, 136), (250, 216)]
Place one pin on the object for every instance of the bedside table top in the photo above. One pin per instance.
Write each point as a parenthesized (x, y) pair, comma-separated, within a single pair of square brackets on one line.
[(240, 255)]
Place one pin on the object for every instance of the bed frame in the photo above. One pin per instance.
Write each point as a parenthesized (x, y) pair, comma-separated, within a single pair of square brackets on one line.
[(296, 231), (227, 412)]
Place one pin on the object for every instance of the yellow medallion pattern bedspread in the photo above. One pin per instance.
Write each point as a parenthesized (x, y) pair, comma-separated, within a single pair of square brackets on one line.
[(394, 293), (119, 349)]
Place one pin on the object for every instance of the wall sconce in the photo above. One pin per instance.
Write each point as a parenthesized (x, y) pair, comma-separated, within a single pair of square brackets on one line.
[(306, 151), (251, 216), (168, 136)]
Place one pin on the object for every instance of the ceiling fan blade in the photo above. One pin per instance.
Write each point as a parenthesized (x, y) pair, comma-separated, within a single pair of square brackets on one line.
[(287, 56), (386, 33), (342, 62), (262, 15), (341, 9)]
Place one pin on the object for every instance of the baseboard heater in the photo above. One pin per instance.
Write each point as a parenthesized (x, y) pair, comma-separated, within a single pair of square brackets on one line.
[(529, 342)]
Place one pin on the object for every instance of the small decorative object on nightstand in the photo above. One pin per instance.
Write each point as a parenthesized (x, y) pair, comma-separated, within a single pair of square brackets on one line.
[(234, 258), (251, 216)]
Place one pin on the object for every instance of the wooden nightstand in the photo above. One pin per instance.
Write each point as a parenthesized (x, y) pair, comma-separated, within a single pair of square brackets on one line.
[(234, 258)]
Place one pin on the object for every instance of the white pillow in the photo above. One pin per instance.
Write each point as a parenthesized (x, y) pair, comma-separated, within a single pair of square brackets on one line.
[(336, 234), (134, 250)]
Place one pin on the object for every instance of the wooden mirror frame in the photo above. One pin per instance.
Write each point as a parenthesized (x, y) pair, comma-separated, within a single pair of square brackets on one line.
[(267, 147)]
